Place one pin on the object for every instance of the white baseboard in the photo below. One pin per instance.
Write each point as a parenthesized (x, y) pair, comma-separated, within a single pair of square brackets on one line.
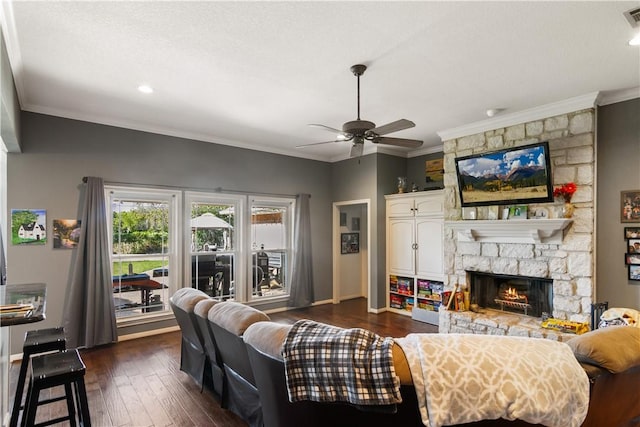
[(148, 333)]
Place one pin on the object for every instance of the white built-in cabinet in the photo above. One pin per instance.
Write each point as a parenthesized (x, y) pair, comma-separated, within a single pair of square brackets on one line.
[(415, 227)]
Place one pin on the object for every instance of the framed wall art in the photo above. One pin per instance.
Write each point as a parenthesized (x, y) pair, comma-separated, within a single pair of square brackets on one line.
[(66, 233), (632, 232), (630, 206), (349, 243), (28, 227), (634, 272)]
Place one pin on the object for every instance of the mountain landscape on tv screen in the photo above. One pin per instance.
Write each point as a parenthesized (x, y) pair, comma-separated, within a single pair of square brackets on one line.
[(522, 177)]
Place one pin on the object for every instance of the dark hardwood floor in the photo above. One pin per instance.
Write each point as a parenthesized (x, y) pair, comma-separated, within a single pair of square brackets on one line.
[(138, 382)]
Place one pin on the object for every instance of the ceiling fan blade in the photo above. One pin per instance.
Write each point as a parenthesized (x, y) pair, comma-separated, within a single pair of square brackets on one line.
[(398, 142), (320, 143), (393, 127), (329, 128), (325, 142)]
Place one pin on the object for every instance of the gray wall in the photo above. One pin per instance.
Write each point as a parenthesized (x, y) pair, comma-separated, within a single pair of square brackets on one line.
[(618, 169), (416, 171), (58, 152)]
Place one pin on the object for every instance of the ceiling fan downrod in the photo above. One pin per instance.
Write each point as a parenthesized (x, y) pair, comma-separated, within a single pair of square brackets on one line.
[(357, 71)]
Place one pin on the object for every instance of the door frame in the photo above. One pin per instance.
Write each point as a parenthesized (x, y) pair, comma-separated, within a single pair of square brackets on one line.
[(336, 245)]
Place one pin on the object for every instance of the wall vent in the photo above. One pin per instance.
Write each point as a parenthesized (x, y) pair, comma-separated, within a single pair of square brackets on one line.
[(633, 16)]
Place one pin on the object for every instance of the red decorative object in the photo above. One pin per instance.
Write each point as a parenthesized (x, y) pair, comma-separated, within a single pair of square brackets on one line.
[(565, 191)]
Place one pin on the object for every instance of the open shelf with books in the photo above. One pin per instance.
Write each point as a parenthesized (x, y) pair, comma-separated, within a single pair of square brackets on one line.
[(401, 293)]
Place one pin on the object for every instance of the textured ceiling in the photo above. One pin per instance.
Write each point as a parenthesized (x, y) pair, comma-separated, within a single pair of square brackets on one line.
[(254, 74)]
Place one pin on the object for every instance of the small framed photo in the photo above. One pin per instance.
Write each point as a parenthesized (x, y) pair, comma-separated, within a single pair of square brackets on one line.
[(518, 212), (630, 206), (540, 213), (632, 232), (349, 243), (632, 259), (634, 272), (343, 219), (355, 224), (634, 246)]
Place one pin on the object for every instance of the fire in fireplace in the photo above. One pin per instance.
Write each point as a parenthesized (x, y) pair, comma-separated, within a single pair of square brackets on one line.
[(531, 296)]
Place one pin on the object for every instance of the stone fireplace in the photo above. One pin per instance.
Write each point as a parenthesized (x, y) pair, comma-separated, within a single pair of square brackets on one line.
[(559, 254)]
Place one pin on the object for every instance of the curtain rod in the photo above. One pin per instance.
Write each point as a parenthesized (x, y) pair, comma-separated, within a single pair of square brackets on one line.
[(207, 190)]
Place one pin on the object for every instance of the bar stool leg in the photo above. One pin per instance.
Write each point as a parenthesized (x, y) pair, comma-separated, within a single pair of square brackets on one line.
[(31, 405), (17, 401), (70, 404), (83, 410)]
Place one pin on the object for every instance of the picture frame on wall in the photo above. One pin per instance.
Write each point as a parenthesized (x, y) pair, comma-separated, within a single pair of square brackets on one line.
[(632, 232), (632, 259), (633, 246), (630, 206), (355, 224), (634, 272), (349, 243), (343, 219)]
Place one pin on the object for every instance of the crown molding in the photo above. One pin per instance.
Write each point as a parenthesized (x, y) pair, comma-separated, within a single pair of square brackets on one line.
[(536, 113), (615, 96)]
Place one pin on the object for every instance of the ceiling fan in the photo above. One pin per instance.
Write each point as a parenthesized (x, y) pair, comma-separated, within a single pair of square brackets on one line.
[(360, 131)]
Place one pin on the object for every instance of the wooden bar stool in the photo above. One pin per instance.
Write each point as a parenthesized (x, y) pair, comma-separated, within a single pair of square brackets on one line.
[(36, 342), (55, 369)]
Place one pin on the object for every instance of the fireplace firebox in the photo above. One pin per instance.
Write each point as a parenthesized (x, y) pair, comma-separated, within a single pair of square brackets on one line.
[(530, 296)]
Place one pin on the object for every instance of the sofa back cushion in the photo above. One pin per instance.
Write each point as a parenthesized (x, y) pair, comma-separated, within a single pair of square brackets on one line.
[(614, 348)]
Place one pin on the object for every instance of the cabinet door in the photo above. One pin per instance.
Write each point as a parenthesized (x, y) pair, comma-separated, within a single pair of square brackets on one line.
[(429, 206), (400, 246), (429, 234), (400, 207)]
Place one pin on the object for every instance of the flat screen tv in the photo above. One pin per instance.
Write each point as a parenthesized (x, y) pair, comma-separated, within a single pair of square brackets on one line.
[(516, 175)]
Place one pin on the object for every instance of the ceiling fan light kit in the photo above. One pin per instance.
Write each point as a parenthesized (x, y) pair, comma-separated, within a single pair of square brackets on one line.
[(360, 131)]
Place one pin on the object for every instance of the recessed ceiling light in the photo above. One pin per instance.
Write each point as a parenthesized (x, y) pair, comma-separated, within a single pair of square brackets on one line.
[(493, 111), (145, 89), (635, 41)]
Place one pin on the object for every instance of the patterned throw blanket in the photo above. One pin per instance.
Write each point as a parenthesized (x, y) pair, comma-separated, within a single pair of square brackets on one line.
[(465, 378), (324, 363)]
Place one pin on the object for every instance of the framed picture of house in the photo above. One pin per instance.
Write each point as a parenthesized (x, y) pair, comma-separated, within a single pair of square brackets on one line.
[(349, 243), (28, 226), (630, 206)]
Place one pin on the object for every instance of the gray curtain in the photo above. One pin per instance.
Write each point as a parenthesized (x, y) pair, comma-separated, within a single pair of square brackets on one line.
[(89, 317), (301, 294)]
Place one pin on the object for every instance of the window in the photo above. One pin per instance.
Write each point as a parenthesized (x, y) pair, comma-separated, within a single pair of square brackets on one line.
[(214, 243), (236, 252), (144, 237), (271, 234)]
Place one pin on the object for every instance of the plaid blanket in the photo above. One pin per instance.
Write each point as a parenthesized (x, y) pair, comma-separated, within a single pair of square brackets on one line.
[(324, 363)]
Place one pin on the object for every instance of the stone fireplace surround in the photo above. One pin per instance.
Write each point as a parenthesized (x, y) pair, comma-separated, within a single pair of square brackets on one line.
[(567, 259)]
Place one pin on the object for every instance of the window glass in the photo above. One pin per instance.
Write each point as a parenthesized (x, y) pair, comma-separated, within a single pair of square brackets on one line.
[(212, 226), (142, 232), (270, 246)]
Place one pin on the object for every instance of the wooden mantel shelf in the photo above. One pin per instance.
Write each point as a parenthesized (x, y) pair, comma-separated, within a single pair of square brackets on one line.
[(511, 231)]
